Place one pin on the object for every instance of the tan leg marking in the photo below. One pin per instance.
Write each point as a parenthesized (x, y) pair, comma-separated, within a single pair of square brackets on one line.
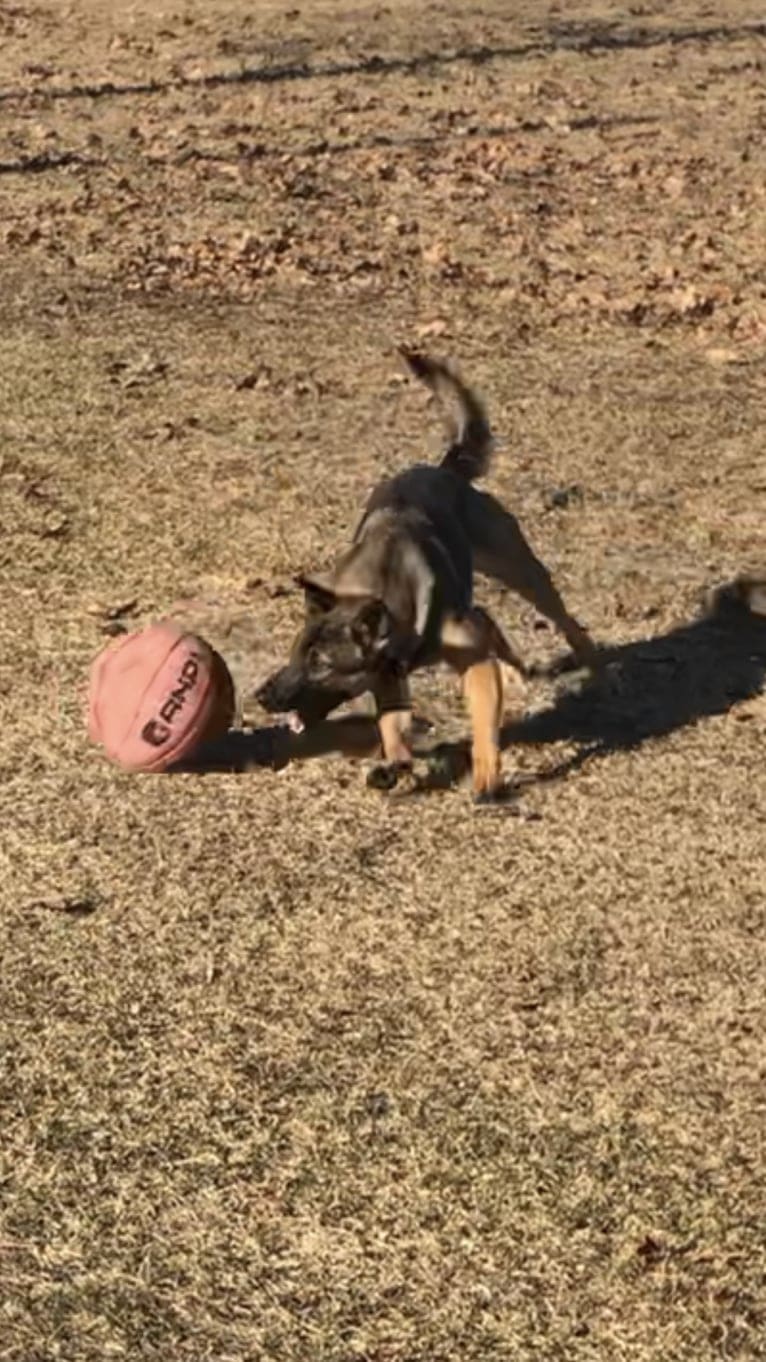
[(483, 691), (395, 733), (471, 645), (392, 699)]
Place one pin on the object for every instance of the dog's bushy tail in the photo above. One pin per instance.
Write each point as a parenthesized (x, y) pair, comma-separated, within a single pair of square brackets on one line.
[(470, 438)]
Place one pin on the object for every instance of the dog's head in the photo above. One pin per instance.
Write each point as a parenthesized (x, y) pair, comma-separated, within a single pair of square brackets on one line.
[(345, 644)]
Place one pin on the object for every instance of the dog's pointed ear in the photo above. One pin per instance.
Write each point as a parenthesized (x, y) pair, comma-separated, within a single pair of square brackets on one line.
[(319, 597)]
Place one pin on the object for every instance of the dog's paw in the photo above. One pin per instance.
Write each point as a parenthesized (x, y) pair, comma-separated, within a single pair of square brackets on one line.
[(588, 664), (390, 775), (505, 799), (573, 682), (487, 777)]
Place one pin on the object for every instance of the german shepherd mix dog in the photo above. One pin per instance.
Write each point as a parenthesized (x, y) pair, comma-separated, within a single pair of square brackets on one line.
[(402, 597)]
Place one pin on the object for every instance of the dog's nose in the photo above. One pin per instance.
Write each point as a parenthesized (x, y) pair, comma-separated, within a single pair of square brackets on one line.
[(275, 693)]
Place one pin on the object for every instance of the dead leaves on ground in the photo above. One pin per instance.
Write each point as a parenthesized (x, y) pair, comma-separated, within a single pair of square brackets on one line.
[(567, 203), (617, 238)]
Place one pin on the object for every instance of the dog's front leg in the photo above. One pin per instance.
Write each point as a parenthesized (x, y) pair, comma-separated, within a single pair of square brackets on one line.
[(483, 691), (395, 735), (468, 645), (394, 710)]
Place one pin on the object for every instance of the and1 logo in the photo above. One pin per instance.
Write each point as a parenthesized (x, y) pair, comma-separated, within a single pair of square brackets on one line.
[(157, 731)]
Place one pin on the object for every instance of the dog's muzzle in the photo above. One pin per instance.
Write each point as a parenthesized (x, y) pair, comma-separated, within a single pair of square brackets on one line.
[(278, 695), (288, 696), (273, 695)]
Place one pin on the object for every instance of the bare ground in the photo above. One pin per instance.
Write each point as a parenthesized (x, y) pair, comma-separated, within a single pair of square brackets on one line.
[(290, 1070)]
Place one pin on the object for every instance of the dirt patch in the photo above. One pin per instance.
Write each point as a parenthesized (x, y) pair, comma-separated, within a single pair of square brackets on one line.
[(291, 1070)]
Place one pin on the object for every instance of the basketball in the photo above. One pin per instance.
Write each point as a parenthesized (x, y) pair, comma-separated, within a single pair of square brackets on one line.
[(156, 696)]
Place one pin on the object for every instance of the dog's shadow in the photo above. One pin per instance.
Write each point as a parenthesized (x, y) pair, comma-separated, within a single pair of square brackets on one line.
[(653, 687), (646, 689)]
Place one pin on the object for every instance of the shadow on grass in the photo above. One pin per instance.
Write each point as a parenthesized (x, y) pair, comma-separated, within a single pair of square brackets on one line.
[(426, 140), (587, 37), (646, 689), (653, 687), (52, 161)]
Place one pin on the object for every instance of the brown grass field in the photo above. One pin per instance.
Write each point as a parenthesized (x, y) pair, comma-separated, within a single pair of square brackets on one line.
[(291, 1070)]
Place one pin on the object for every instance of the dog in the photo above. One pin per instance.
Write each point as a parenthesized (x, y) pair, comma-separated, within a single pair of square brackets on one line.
[(401, 597)]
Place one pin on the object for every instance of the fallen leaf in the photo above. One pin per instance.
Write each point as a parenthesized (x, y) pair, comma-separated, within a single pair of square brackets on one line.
[(720, 355), (437, 327)]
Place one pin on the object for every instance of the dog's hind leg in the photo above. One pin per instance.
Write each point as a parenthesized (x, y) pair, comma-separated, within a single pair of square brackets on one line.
[(502, 552)]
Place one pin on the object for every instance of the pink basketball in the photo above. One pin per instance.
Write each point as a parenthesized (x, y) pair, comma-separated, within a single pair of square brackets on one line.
[(155, 696)]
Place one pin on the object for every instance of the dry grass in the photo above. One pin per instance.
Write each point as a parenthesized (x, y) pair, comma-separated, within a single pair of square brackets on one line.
[(290, 1070)]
